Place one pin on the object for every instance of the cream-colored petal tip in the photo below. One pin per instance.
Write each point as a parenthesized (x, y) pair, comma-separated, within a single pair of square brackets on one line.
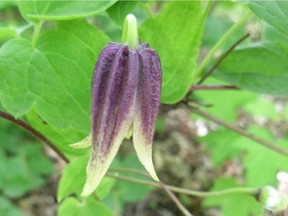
[(154, 175), (91, 184), (86, 142), (87, 190)]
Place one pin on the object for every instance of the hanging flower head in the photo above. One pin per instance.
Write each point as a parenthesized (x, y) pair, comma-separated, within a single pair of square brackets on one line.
[(126, 90)]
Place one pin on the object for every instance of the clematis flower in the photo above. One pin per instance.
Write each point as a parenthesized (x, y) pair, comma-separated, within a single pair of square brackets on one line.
[(126, 89)]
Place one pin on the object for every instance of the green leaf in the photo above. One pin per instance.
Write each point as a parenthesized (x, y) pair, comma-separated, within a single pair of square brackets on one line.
[(225, 104), (6, 34), (261, 108), (220, 146), (216, 25), (246, 205), (54, 77), (60, 138), (273, 12), (74, 177), (271, 34), (260, 68), (88, 207), (119, 11), (8, 209), (62, 10), (127, 191), (25, 170), (261, 164), (175, 34), (131, 192)]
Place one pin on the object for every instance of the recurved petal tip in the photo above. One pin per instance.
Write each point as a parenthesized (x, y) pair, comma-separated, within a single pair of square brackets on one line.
[(146, 108), (86, 142), (144, 153), (95, 172)]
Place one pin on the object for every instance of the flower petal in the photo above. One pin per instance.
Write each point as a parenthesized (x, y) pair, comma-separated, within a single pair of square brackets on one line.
[(113, 106), (147, 105)]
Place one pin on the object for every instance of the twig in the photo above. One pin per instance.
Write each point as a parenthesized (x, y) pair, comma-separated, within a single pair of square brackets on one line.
[(162, 185), (213, 87), (220, 42), (239, 190), (177, 202), (241, 132), (223, 56), (248, 191), (33, 131)]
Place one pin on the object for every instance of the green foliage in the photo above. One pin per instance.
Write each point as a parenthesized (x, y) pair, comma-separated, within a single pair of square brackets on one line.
[(74, 177), (260, 169), (6, 34), (7, 208), (232, 204), (170, 33), (62, 62), (60, 138), (128, 191), (64, 10), (226, 106), (46, 77), (259, 68), (119, 11), (23, 167), (89, 207), (218, 23), (273, 12)]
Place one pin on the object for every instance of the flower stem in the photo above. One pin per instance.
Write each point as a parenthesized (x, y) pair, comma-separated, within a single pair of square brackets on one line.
[(37, 29), (130, 32), (239, 190), (222, 58), (224, 38), (35, 132), (259, 140)]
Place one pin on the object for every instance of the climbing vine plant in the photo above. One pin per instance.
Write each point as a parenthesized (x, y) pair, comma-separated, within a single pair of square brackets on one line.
[(218, 60)]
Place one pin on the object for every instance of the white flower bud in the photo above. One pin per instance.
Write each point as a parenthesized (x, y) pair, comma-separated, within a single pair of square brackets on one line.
[(273, 199), (282, 178)]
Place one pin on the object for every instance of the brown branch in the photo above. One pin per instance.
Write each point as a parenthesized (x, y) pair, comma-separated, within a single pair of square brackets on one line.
[(239, 190), (177, 202), (241, 132), (33, 131), (223, 56), (161, 184), (213, 87)]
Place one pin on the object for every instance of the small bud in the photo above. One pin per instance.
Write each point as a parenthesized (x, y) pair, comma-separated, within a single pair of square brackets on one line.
[(282, 178), (272, 199)]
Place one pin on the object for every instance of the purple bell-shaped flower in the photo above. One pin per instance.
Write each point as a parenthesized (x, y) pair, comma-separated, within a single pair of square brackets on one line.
[(126, 89)]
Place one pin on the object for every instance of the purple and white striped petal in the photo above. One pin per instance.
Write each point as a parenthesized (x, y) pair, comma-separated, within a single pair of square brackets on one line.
[(147, 104), (114, 88)]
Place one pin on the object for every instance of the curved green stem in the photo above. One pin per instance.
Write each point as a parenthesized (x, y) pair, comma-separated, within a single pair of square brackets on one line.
[(37, 29), (130, 32), (224, 38), (207, 10), (240, 190)]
